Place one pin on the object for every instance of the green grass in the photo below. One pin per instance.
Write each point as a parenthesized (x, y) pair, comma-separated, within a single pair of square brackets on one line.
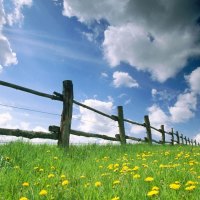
[(73, 175)]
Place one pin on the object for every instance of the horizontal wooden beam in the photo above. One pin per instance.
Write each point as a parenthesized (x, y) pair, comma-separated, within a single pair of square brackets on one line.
[(17, 87), (135, 123), (105, 137), (27, 134), (56, 129), (97, 111)]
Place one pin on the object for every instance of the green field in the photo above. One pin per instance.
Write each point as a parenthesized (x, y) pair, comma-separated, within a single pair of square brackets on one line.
[(90, 172)]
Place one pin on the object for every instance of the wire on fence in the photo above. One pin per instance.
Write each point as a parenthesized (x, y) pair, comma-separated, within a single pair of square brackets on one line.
[(28, 109)]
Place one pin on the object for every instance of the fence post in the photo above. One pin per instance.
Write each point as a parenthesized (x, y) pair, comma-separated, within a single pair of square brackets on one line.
[(195, 142), (186, 142), (65, 126), (182, 139), (148, 128), (121, 125), (192, 142), (162, 129), (178, 137), (172, 133)]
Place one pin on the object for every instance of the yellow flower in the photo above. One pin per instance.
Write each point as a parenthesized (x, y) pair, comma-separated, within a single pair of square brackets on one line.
[(174, 186), (149, 179), (155, 188), (62, 176), (55, 158), (190, 188), (190, 183), (16, 167), (25, 184), (115, 198), (136, 176), (116, 182), (82, 176), (51, 175), (98, 184), (152, 193), (135, 168), (65, 182), (87, 185), (43, 193), (41, 170), (23, 198)]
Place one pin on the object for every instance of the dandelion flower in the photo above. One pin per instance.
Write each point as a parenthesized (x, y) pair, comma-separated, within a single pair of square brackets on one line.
[(116, 182), (190, 183), (23, 198), (62, 176), (136, 176), (25, 184), (174, 186), (98, 184), (155, 188), (43, 193), (149, 179), (135, 168), (152, 193), (51, 175), (190, 188), (65, 182), (115, 198)]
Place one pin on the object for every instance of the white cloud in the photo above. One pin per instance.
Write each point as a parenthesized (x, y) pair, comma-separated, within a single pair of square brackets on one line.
[(184, 108), (7, 56), (16, 16), (157, 115), (194, 80), (40, 129), (94, 123), (154, 92), (197, 138), (105, 75), (124, 79), (5, 118), (137, 36)]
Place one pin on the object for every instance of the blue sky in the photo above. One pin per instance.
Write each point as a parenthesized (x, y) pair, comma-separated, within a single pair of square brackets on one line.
[(143, 56)]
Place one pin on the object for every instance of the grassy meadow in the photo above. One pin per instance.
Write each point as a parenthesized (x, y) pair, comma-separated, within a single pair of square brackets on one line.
[(90, 172)]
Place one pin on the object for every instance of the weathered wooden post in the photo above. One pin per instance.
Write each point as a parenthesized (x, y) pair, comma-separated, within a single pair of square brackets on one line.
[(148, 128), (182, 139), (178, 137), (192, 142), (65, 126), (186, 142), (162, 130), (122, 134), (195, 142), (172, 134)]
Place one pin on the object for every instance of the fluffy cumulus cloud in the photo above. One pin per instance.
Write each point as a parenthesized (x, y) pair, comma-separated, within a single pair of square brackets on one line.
[(7, 56), (197, 138), (185, 106), (124, 79), (154, 36), (194, 80), (92, 122)]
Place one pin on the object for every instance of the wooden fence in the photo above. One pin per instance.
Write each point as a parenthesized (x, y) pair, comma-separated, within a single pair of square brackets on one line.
[(62, 133)]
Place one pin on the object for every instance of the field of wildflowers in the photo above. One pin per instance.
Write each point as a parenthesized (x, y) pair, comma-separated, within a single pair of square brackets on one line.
[(90, 172)]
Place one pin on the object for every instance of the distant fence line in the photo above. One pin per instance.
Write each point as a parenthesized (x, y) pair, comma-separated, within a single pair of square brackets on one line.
[(62, 133)]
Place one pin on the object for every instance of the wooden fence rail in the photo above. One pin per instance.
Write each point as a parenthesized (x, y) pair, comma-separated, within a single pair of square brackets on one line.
[(62, 133)]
